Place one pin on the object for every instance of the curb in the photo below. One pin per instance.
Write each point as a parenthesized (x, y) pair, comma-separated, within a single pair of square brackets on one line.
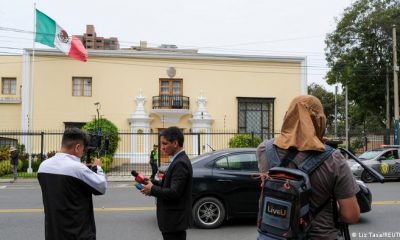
[(34, 180)]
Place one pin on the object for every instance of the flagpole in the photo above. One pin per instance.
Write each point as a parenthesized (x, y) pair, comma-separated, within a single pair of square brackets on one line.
[(32, 91)]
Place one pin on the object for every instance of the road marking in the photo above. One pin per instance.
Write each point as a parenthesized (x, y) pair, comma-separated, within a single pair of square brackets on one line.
[(3, 187), (386, 202), (22, 210), (124, 209), (133, 209), (40, 210)]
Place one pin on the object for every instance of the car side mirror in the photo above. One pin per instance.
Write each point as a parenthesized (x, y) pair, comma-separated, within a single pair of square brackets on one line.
[(381, 158)]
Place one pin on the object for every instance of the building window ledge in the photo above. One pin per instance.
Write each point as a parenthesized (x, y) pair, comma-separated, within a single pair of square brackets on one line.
[(10, 100)]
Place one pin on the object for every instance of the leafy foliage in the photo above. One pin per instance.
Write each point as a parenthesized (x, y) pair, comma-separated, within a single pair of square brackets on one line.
[(359, 53), (328, 101), (5, 167), (244, 141), (108, 131), (106, 162)]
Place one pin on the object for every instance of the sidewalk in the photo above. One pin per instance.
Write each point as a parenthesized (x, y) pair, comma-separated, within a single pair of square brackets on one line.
[(34, 180)]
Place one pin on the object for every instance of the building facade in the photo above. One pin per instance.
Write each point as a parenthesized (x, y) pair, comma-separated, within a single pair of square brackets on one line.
[(147, 91)]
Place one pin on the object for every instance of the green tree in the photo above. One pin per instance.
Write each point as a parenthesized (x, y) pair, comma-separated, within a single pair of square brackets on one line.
[(244, 141), (108, 131), (358, 53), (328, 101), (359, 120)]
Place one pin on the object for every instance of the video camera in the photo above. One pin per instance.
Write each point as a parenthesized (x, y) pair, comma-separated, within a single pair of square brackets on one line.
[(96, 145)]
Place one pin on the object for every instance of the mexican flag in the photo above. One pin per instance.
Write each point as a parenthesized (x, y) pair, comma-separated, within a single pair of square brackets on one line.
[(49, 33)]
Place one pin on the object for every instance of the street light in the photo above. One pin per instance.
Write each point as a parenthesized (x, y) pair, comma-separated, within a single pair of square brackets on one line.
[(98, 107)]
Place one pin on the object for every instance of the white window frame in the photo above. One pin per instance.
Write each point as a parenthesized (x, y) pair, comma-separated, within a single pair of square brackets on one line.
[(82, 86)]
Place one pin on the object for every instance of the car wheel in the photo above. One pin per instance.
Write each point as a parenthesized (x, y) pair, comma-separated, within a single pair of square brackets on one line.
[(208, 212), (366, 177)]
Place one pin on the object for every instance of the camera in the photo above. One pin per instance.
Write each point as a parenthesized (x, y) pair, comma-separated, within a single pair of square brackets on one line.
[(96, 145), (94, 142)]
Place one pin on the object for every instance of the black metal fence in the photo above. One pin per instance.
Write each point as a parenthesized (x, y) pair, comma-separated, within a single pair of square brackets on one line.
[(134, 148)]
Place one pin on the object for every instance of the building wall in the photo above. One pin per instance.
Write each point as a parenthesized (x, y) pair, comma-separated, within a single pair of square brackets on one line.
[(11, 66), (117, 81)]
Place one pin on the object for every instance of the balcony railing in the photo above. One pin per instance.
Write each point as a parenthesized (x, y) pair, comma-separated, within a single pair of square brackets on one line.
[(170, 102)]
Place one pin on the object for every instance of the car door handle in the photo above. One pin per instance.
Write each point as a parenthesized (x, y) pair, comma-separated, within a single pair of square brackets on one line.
[(224, 180)]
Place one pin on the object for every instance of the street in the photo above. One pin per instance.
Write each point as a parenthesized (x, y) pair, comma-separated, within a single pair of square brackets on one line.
[(123, 213)]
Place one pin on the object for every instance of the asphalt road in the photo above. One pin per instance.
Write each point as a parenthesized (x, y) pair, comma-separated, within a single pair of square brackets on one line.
[(123, 213)]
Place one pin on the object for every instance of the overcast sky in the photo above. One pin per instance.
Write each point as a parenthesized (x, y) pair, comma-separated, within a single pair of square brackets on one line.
[(262, 27)]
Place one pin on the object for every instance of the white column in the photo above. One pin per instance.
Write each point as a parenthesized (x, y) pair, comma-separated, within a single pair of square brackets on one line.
[(146, 141), (25, 114), (26, 110), (140, 120), (195, 141), (303, 81), (208, 140), (201, 122), (133, 139)]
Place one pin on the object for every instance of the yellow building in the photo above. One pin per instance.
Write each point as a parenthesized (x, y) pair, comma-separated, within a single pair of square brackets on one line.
[(145, 91)]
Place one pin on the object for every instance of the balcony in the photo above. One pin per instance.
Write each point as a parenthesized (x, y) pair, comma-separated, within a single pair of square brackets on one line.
[(170, 108), (170, 102)]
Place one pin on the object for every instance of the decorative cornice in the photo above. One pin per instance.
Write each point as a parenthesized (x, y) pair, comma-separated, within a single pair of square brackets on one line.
[(171, 115)]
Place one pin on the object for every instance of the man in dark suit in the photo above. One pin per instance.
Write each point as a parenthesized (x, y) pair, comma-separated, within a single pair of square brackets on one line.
[(174, 192)]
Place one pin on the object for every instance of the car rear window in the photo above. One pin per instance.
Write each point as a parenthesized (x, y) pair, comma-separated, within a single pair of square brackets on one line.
[(241, 162), (200, 157)]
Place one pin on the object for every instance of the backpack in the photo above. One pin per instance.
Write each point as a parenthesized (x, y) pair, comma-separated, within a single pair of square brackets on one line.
[(285, 211)]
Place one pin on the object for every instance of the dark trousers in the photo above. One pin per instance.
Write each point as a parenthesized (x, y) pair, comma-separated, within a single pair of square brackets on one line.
[(181, 235), (154, 169), (15, 171)]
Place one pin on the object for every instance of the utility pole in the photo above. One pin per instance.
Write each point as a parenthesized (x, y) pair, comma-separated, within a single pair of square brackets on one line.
[(396, 89), (336, 90), (347, 118), (387, 134)]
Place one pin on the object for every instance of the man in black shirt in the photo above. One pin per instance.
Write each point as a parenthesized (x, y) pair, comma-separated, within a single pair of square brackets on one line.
[(67, 187)]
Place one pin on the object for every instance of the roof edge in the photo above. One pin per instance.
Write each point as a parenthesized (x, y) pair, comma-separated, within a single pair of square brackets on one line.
[(175, 55)]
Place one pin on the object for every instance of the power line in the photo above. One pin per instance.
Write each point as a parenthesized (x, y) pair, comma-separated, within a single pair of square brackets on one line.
[(197, 47), (309, 67)]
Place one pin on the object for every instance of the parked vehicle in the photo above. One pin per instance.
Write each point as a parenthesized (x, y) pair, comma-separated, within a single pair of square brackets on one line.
[(223, 187), (385, 160)]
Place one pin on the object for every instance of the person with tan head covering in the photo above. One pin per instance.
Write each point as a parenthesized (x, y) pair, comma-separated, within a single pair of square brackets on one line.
[(303, 131)]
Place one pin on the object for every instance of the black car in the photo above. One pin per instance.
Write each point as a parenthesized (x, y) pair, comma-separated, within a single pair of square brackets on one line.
[(224, 186)]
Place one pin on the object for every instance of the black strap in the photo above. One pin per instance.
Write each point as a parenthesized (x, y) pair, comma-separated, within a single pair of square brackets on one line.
[(315, 160), (308, 165), (288, 158)]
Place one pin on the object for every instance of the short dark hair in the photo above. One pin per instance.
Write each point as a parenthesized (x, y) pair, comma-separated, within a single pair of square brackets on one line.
[(73, 136), (172, 134)]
